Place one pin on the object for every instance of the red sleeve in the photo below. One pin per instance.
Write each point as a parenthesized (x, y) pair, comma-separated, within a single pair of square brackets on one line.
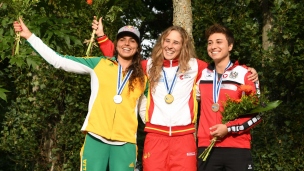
[(106, 46), (245, 123), (245, 66), (144, 66), (201, 66)]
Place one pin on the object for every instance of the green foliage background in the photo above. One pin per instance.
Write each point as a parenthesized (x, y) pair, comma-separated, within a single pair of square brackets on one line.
[(45, 108)]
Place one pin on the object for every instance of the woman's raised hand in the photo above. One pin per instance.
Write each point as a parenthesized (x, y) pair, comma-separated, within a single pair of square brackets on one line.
[(98, 27), (19, 26)]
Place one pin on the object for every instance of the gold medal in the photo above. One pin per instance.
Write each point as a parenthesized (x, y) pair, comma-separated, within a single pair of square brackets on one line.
[(169, 98), (215, 107)]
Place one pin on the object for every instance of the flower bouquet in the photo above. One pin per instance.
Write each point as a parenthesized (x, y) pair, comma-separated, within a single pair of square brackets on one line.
[(20, 7), (249, 103)]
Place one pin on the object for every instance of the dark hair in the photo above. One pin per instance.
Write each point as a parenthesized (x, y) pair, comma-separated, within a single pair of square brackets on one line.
[(217, 28), (123, 34), (138, 73)]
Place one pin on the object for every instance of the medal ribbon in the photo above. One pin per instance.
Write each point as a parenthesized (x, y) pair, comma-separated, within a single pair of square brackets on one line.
[(121, 84), (217, 86), (169, 89)]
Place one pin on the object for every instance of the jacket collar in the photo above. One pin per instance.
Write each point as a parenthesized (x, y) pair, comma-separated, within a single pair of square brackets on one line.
[(170, 63), (211, 66)]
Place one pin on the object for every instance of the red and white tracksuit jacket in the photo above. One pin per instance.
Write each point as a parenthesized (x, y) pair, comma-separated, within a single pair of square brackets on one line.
[(177, 118), (238, 130)]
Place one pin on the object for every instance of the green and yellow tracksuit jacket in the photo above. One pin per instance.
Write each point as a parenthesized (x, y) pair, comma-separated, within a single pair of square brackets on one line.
[(106, 119)]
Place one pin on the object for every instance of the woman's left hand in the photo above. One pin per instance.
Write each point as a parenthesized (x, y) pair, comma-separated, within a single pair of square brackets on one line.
[(254, 75)]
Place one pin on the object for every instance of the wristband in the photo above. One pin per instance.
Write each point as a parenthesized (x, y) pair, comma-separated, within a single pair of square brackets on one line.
[(229, 129), (101, 36)]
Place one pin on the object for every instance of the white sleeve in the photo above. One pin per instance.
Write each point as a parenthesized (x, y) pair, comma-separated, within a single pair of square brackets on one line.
[(142, 107), (53, 58)]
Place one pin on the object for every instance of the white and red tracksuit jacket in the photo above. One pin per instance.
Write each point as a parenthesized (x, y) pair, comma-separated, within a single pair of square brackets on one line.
[(238, 130), (173, 119)]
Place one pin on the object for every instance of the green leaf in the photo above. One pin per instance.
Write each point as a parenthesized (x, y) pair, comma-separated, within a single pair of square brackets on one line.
[(67, 41), (4, 21), (31, 62), (2, 93), (18, 61), (269, 106)]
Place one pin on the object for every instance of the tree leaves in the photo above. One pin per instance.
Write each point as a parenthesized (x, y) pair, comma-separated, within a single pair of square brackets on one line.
[(2, 93)]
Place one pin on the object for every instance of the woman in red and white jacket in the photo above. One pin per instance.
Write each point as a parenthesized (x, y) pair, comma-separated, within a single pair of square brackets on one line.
[(221, 79)]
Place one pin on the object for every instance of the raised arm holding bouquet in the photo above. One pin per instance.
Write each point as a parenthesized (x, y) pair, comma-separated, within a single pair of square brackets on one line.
[(91, 40), (20, 7), (110, 15), (227, 102)]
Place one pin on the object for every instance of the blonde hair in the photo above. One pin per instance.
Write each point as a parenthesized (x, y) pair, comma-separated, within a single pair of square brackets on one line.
[(187, 52)]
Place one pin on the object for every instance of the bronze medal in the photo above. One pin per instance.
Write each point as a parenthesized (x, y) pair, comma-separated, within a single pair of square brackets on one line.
[(215, 107), (169, 98)]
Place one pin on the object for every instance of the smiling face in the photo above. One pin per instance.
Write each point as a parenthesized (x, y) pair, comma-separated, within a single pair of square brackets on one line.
[(218, 47), (126, 47), (172, 45)]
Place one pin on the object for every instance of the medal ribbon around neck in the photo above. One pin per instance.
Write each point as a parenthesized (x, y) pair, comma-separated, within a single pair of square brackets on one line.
[(122, 84), (217, 86), (169, 89)]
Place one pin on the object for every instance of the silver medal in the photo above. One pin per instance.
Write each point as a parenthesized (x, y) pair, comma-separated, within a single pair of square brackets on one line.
[(117, 99)]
